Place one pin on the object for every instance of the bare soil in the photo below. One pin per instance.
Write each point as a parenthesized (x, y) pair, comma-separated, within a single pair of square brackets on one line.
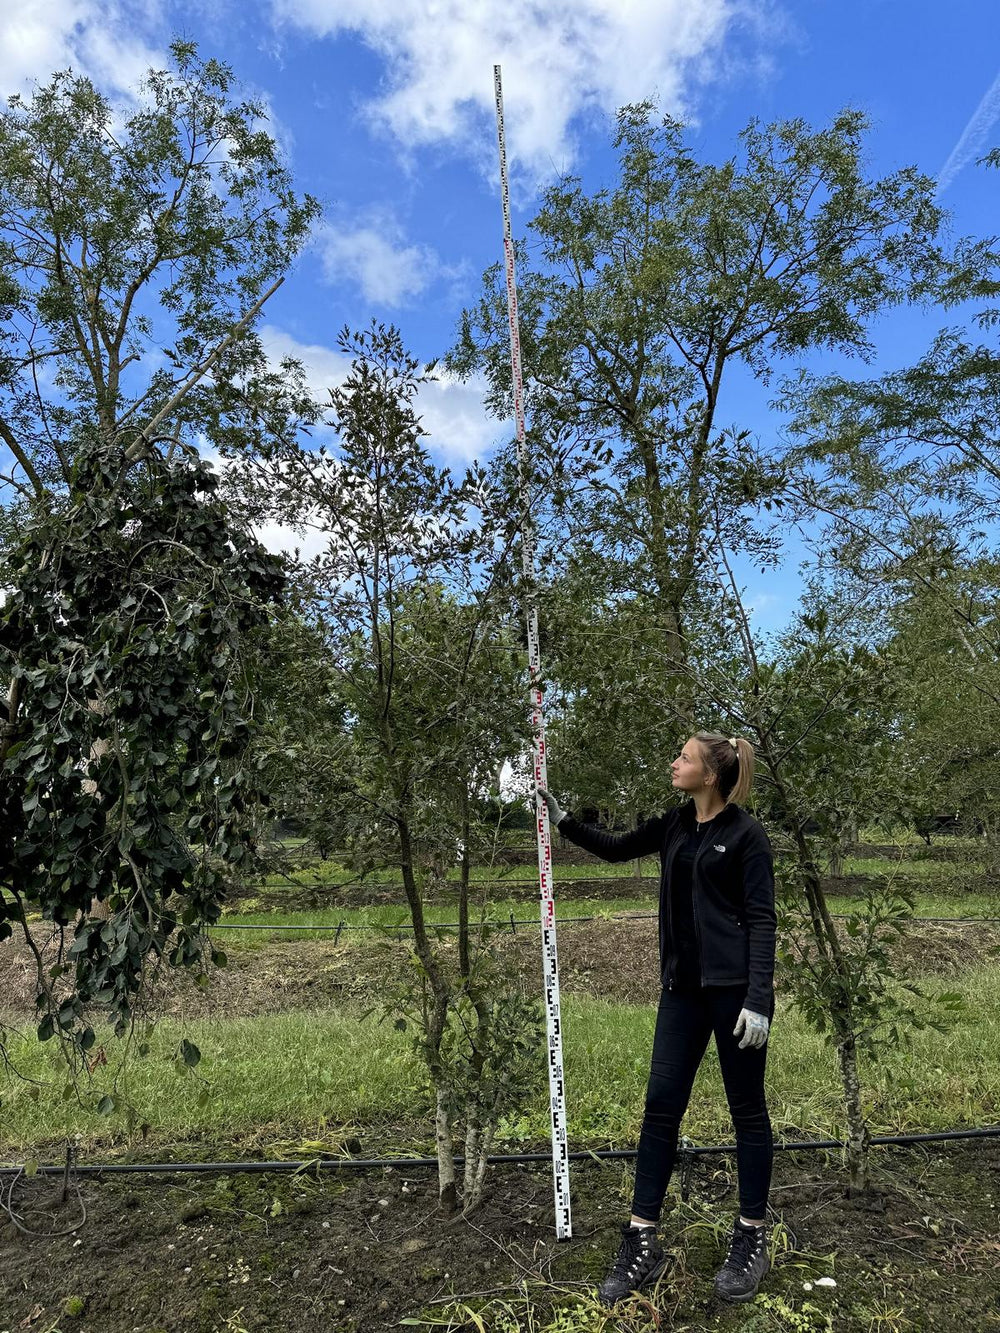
[(353, 1252), (614, 960)]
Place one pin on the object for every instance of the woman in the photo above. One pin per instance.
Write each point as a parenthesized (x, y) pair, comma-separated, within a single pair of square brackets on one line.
[(717, 929)]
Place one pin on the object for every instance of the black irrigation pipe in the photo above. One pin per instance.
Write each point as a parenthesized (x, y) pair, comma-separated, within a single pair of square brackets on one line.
[(560, 921), (685, 1150)]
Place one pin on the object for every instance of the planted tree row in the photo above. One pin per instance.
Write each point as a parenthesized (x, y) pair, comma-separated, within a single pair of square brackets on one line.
[(172, 686)]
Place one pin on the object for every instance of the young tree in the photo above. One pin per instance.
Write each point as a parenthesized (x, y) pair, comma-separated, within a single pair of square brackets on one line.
[(135, 255), (822, 708), (411, 597)]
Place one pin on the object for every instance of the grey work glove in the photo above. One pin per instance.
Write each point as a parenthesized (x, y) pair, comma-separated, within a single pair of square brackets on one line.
[(556, 814), (754, 1026)]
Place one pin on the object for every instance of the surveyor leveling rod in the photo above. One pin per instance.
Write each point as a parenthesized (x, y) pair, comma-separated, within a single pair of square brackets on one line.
[(550, 960)]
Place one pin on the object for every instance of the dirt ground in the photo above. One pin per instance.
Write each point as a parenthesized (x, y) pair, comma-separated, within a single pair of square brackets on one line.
[(614, 960), (356, 1252)]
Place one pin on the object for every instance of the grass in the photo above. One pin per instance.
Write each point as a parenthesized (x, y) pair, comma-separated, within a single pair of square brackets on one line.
[(395, 914), (326, 873), (304, 1075)]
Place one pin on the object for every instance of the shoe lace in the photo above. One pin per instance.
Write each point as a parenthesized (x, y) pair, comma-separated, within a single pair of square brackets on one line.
[(740, 1250), (627, 1253)]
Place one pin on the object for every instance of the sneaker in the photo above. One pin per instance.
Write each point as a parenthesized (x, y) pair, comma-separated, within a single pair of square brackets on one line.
[(748, 1261), (640, 1262)]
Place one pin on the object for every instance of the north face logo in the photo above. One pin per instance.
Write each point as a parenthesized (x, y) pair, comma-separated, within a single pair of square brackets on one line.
[(718, 847)]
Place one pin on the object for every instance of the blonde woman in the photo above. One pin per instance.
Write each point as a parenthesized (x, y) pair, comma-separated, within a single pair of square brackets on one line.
[(717, 936)]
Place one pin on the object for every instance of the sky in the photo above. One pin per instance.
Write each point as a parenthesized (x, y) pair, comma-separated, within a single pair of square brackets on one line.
[(385, 111)]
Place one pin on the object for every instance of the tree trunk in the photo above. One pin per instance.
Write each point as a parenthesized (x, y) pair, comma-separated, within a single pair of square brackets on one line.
[(434, 1022), (857, 1127), (463, 887), (475, 1182), (447, 1188), (828, 943), (472, 1138)]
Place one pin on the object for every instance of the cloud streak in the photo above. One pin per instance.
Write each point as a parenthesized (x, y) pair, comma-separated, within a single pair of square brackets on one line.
[(973, 137)]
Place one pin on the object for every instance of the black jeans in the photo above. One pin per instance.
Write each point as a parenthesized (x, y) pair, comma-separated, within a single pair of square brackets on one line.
[(684, 1021)]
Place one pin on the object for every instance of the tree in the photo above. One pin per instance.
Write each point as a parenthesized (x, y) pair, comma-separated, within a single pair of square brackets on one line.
[(134, 259), (648, 297), (822, 709), (411, 597), (904, 471), (305, 744)]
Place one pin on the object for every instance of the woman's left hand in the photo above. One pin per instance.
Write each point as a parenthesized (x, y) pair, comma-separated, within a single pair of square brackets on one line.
[(756, 1028)]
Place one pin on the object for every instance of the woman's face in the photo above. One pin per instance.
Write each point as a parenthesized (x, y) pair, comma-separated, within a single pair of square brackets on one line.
[(689, 767)]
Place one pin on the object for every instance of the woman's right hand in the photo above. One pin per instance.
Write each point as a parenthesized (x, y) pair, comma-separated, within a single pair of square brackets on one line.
[(555, 812)]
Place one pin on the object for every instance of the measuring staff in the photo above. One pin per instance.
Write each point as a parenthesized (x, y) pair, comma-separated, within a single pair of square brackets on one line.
[(717, 941)]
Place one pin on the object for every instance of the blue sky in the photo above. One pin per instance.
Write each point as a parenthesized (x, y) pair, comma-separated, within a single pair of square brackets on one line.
[(385, 111)]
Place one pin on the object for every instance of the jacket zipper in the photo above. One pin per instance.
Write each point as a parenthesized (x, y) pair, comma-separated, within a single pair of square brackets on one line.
[(670, 921), (694, 905)]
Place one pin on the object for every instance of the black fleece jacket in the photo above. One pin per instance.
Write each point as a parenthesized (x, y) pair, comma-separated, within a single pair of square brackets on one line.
[(733, 892)]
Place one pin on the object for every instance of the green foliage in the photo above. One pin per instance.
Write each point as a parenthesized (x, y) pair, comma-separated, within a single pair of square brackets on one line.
[(160, 233), (123, 781), (134, 259), (488, 1055), (777, 1313), (636, 308), (402, 633)]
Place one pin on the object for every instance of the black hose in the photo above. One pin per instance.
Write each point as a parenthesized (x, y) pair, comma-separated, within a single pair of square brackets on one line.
[(321, 1163), (560, 921)]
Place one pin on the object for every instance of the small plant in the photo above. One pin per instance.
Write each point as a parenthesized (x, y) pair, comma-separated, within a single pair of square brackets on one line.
[(74, 1306), (809, 1319)]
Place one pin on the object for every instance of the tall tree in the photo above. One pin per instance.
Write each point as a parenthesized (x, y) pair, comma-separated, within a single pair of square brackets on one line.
[(646, 298), (135, 255)]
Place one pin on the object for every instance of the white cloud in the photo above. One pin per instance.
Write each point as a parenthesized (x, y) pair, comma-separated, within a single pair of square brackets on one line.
[(451, 411), (105, 39), (972, 140), (374, 255), (559, 60), (454, 417), (325, 367)]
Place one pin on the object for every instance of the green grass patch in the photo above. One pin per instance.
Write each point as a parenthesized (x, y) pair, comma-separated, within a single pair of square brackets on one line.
[(930, 872), (297, 1074), (500, 911), (391, 915)]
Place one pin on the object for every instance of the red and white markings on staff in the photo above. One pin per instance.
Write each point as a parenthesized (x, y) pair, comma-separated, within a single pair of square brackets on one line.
[(550, 960)]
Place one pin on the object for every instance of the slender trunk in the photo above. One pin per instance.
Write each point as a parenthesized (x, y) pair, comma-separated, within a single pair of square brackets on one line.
[(434, 1021), (857, 1127), (842, 1018), (447, 1187), (472, 1137), (474, 1186)]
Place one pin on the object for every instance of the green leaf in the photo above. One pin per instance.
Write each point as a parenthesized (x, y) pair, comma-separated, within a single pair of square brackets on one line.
[(190, 1053)]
